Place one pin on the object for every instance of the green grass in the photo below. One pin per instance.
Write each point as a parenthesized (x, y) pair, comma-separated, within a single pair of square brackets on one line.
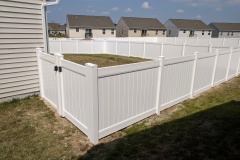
[(102, 60), (207, 127)]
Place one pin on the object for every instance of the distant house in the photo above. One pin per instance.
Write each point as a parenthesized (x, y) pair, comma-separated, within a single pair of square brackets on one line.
[(81, 26), (187, 28), (140, 27), (56, 30), (227, 30)]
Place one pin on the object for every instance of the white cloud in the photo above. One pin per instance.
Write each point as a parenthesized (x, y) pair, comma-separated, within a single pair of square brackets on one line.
[(128, 10), (194, 5), (91, 10), (115, 9), (198, 17), (146, 5), (218, 9), (180, 11), (105, 12)]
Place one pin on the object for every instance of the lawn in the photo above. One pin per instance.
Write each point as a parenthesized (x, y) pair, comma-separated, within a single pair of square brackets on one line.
[(102, 60), (207, 127)]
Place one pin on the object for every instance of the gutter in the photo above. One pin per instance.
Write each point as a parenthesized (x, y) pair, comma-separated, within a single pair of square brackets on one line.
[(44, 23)]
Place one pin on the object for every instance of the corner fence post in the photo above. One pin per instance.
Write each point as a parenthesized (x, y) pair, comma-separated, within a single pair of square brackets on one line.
[(229, 63), (194, 74), (92, 102), (57, 57), (38, 52), (160, 84), (215, 67)]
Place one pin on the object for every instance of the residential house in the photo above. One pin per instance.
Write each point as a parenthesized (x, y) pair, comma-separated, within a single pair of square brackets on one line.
[(21, 32), (56, 30), (227, 30), (82, 26), (187, 28), (140, 27)]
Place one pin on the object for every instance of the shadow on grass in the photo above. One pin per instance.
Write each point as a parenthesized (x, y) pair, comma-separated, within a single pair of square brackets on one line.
[(209, 134)]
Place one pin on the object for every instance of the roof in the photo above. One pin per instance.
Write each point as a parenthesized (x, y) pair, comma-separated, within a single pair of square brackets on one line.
[(189, 24), (56, 27), (143, 23), (226, 26), (83, 21)]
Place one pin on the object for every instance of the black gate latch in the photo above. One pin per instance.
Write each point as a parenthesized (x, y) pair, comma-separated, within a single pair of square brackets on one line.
[(56, 68), (60, 69)]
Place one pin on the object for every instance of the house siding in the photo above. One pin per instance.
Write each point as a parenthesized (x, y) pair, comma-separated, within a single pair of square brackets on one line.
[(122, 29), (150, 33), (21, 33), (196, 34), (97, 33), (171, 27)]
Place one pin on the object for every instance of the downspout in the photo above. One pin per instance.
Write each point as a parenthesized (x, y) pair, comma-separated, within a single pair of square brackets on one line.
[(45, 24)]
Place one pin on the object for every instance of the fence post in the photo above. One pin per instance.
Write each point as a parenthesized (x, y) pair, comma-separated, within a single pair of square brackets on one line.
[(161, 54), (92, 102), (129, 48), (194, 74), (159, 83), (38, 52), (57, 58), (144, 49), (223, 43), (215, 67), (92, 46), (175, 40), (60, 41), (237, 72), (210, 48), (116, 47), (229, 63), (183, 49)]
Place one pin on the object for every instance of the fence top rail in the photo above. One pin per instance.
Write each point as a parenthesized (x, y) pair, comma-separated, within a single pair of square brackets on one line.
[(223, 52), (206, 55), (47, 57), (122, 69), (179, 60), (77, 68)]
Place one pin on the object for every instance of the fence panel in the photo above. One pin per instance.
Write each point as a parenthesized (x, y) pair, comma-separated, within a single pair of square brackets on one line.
[(191, 49), (85, 46), (217, 41), (191, 40), (49, 78), (152, 50), (74, 82), (54, 46), (204, 72), (172, 50), (111, 47), (69, 46), (123, 48), (222, 65), (98, 47), (231, 42), (127, 94), (234, 63), (204, 41), (137, 49), (176, 81)]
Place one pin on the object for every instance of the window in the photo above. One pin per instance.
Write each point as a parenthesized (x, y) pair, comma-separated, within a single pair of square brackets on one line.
[(228, 34), (169, 32), (209, 33), (112, 31), (135, 31), (202, 32), (232, 34), (163, 32), (156, 32), (221, 33), (184, 31), (103, 31), (77, 29)]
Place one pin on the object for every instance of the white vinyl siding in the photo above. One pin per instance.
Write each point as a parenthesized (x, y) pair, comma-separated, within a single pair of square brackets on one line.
[(21, 33)]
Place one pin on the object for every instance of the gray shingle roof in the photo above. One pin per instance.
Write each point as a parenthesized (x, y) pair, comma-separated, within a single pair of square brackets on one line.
[(143, 23), (227, 26), (189, 24), (83, 21)]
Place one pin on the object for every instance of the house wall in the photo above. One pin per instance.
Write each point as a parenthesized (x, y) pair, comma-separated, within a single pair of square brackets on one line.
[(215, 32), (171, 27), (229, 34), (196, 34), (20, 34), (122, 29), (97, 33), (150, 33)]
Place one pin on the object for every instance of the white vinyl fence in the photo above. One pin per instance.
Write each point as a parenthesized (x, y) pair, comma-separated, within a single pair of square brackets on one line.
[(100, 101)]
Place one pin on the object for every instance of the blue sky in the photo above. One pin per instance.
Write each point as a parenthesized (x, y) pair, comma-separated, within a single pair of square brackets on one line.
[(206, 10)]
